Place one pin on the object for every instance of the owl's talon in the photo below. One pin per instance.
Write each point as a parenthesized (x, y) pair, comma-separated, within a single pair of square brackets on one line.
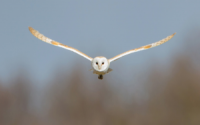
[(100, 77)]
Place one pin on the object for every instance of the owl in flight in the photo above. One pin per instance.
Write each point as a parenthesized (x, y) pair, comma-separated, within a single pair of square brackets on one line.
[(100, 64)]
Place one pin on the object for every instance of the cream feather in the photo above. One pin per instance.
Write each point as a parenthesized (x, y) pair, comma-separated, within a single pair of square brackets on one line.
[(50, 41), (142, 48)]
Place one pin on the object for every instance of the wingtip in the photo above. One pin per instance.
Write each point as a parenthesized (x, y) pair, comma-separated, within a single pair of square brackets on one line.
[(30, 28), (172, 35)]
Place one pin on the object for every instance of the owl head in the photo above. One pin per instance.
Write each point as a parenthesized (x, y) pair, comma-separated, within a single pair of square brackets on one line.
[(100, 63)]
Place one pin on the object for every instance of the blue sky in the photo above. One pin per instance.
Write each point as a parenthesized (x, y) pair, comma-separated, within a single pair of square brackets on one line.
[(97, 28)]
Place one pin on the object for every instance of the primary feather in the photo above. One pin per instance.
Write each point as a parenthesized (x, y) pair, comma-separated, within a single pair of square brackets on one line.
[(50, 41), (142, 48)]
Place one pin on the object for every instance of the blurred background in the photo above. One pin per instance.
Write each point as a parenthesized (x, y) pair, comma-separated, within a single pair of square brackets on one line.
[(41, 84)]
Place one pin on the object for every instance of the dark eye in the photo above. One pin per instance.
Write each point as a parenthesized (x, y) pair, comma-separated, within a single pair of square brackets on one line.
[(102, 63), (97, 63)]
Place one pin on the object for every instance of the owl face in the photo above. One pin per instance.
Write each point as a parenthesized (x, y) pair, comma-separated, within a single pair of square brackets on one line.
[(100, 64)]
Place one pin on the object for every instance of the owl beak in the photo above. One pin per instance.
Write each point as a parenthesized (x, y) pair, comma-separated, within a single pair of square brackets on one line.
[(99, 67)]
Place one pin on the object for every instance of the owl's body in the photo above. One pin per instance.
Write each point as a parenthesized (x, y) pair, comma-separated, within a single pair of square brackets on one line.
[(100, 64)]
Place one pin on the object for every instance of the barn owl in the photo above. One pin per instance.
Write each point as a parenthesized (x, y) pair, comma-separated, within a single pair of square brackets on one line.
[(100, 64)]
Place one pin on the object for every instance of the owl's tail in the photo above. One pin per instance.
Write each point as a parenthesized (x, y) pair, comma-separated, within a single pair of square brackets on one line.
[(100, 77)]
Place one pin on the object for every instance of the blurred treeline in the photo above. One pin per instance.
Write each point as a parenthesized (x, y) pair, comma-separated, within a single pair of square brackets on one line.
[(173, 98)]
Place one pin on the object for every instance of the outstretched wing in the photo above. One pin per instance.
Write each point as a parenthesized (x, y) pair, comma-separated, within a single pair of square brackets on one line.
[(142, 48), (50, 41)]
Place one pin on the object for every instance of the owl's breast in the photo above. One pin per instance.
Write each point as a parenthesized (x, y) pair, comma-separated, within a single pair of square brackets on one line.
[(100, 72)]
